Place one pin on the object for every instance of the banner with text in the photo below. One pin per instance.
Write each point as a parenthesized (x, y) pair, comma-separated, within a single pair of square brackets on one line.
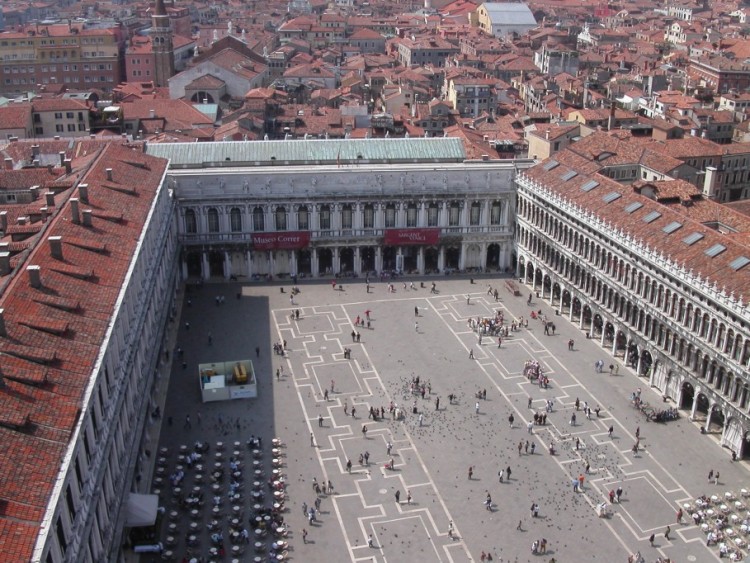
[(405, 237), (281, 241)]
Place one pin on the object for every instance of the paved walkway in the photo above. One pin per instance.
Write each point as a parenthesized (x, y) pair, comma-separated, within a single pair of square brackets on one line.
[(432, 459)]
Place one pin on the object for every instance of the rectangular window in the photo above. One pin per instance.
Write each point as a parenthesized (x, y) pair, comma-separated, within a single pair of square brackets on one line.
[(346, 218), (390, 217), (58, 115), (454, 213), (325, 218), (281, 219), (368, 218), (303, 219), (59, 128), (495, 213), (411, 216), (474, 214), (69, 115), (432, 216)]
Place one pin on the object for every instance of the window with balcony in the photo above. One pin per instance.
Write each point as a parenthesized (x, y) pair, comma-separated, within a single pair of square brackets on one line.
[(303, 218), (280, 217), (346, 217), (368, 217), (235, 220), (191, 225), (325, 217), (213, 220), (433, 212), (475, 213), (411, 215), (259, 220), (390, 216), (495, 213), (454, 214)]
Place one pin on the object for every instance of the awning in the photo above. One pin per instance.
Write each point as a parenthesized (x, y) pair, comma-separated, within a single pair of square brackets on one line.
[(141, 510)]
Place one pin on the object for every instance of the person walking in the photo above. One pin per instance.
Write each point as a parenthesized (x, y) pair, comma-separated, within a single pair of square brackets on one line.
[(679, 516), (312, 440), (398, 496), (611, 430), (573, 419), (471, 354), (666, 533), (500, 474), (510, 420), (651, 539), (716, 478), (369, 541), (476, 408), (304, 535), (416, 326), (408, 496), (471, 472), (618, 493), (507, 472)]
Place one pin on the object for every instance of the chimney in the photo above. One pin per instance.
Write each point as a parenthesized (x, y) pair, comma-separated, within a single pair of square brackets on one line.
[(34, 191), (3, 221), (57, 137), (35, 151), (9, 164), (68, 164), (152, 113), (21, 221), (4, 263), (74, 214), (3, 332), (83, 193), (35, 276), (87, 217), (55, 247), (546, 135), (109, 174), (35, 163), (50, 199), (92, 136), (61, 154)]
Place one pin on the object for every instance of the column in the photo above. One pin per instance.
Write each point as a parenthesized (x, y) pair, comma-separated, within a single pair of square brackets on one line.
[(695, 403), (272, 262), (710, 412), (604, 329), (484, 216), (378, 259), (639, 363), (570, 307), (422, 215), (357, 261), (614, 342), (336, 260), (483, 255), (420, 260), (249, 264), (293, 262), (443, 214), (441, 258), (462, 256), (652, 376), (184, 269), (205, 268), (227, 265), (314, 266)]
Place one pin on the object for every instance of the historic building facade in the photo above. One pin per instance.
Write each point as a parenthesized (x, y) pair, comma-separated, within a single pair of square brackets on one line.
[(416, 206), (643, 270)]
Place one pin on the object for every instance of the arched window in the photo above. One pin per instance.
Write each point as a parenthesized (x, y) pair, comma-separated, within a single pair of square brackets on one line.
[(303, 218), (235, 220), (213, 220), (280, 218), (191, 225), (259, 219)]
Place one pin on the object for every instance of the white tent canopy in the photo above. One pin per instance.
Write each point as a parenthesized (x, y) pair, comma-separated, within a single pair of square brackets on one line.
[(141, 510)]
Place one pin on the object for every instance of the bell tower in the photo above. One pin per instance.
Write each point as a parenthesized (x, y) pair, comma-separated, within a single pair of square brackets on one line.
[(161, 42)]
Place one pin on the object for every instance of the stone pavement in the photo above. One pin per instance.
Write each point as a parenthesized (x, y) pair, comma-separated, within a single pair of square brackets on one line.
[(432, 459)]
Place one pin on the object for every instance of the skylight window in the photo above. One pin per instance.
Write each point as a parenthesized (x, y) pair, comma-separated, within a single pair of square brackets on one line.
[(651, 217), (692, 238), (633, 207), (569, 175), (672, 227), (551, 164), (715, 250), (612, 196), (739, 263), (590, 185)]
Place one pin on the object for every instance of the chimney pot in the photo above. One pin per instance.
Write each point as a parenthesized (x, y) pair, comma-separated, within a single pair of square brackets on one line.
[(34, 191), (9, 164), (35, 276), (57, 137), (3, 332), (50, 199), (152, 113), (4, 263), (87, 218), (74, 213), (68, 164), (35, 150), (21, 221), (109, 174), (83, 193), (35, 163), (55, 246)]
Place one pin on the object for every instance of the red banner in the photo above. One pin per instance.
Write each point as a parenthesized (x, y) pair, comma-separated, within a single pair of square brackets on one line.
[(406, 237), (281, 241)]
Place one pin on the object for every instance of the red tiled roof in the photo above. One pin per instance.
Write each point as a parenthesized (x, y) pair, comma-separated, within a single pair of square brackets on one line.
[(15, 116), (54, 334)]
